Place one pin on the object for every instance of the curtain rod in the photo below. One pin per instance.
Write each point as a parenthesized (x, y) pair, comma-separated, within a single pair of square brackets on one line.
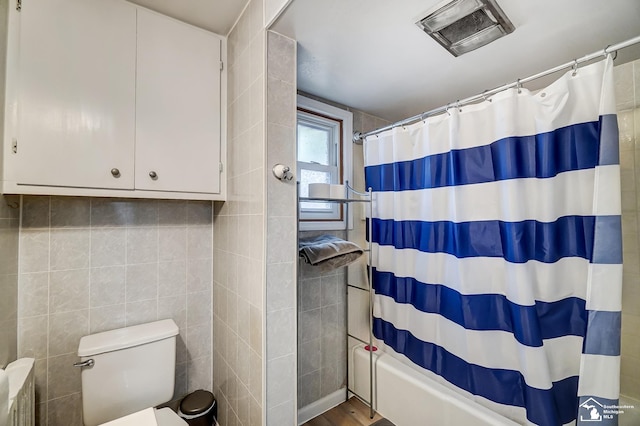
[(358, 137)]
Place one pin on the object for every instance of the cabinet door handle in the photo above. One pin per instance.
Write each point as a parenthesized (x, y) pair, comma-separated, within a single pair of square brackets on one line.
[(115, 172), (153, 175)]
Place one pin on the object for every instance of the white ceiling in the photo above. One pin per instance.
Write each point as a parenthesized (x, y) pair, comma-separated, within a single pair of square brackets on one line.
[(370, 55), (217, 16)]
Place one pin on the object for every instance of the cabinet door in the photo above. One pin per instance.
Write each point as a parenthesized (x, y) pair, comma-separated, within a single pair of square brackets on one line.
[(76, 96), (177, 106)]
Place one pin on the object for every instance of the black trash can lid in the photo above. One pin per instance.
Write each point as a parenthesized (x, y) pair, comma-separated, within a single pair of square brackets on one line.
[(197, 402)]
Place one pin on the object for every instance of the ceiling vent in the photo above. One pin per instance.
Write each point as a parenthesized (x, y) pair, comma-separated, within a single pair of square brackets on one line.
[(465, 25)]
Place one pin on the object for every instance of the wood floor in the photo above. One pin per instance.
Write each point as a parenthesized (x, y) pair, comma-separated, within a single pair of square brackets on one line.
[(350, 413)]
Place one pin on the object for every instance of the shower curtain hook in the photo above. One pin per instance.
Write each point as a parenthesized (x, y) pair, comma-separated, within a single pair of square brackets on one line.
[(614, 53), (519, 86), (484, 96), (458, 105), (574, 68), (446, 109)]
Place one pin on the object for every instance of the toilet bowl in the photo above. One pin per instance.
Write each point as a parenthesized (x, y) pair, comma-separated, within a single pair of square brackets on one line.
[(128, 371), (149, 417)]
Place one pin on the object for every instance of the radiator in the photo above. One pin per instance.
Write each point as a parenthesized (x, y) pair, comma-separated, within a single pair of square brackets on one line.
[(21, 398)]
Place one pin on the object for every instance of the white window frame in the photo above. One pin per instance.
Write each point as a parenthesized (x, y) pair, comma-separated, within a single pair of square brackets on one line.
[(328, 221)]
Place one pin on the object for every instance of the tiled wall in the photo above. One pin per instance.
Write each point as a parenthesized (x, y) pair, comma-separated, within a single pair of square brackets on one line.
[(627, 80), (8, 279), (281, 232), (321, 331), (322, 297), (239, 253), (89, 265)]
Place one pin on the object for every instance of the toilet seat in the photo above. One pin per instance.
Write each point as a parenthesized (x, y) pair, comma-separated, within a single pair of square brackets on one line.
[(149, 417), (167, 417)]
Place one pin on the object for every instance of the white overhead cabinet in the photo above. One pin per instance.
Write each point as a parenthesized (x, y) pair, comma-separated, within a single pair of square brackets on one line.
[(177, 98), (106, 98), (76, 94)]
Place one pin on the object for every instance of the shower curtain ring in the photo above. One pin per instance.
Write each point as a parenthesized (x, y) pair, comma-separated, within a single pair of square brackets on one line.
[(446, 109), (607, 53), (519, 86), (574, 68), (484, 96), (458, 105)]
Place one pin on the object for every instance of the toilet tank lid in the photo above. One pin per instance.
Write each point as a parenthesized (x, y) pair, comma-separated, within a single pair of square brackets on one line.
[(127, 337)]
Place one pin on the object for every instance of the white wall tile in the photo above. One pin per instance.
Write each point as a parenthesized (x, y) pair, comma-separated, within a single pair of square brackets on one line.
[(33, 332), (281, 372), (108, 246), (199, 275), (142, 245), (281, 414), (281, 333), (34, 295), (65, 411), (174, 307), (64, 378), (107, 318), (143, 212), (107, 212), (172, 243), (200, 241), (239, 268), (141, 312), (172, 213), (141, 282), (34, 251), (199, 341), (65, 331), (69, 249), (68, 290), (172, 278), (281, 291), (107, 286), (198, 308), (70, 212), (623, 77), (35, 212)]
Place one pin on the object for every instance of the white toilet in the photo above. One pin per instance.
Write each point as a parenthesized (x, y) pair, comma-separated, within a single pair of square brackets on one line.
[(128, 371)]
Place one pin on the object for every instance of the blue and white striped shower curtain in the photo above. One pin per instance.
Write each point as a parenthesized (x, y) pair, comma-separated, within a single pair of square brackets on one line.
[(497, 254)]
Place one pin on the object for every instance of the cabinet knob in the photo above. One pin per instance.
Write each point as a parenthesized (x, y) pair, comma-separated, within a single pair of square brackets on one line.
[(115, 172), (153, 175)]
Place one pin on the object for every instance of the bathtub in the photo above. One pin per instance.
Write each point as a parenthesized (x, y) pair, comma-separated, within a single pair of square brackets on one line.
[(408, 398)]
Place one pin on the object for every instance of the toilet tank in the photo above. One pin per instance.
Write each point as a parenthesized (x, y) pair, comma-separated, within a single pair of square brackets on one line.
[(133, 368)]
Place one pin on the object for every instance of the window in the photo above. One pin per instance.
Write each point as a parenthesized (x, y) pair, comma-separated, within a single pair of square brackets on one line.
[(324, 156)]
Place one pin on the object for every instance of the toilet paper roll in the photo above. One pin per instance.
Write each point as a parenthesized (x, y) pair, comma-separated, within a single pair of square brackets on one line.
[(326, 191), (337, 191), (319, 190)]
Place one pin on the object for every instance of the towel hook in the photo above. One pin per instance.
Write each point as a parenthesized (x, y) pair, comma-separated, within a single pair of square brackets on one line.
[(282, 172)]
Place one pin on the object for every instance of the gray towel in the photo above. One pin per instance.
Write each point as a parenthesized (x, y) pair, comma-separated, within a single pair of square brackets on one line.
[(328, 252)]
